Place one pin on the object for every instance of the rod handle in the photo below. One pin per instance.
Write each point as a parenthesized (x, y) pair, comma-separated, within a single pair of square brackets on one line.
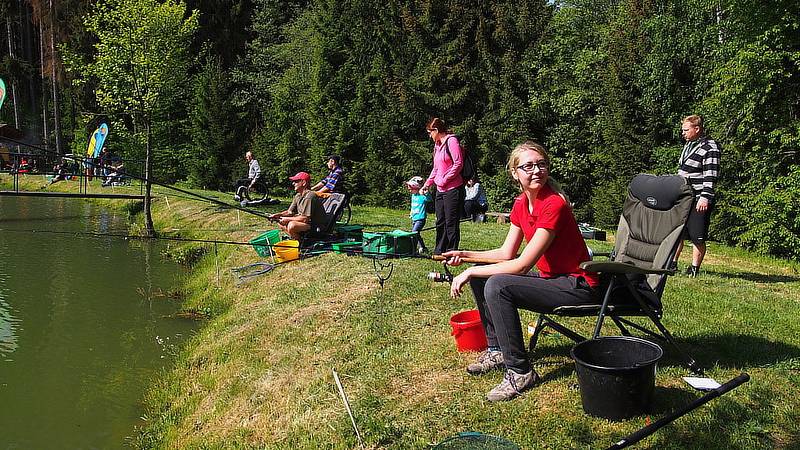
[(470, 260)]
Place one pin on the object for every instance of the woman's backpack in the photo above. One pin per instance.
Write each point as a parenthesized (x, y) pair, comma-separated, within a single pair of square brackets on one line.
[(468, 171)]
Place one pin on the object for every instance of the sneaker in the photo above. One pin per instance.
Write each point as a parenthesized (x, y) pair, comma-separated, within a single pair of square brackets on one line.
[(673, 266), (236, 198), (487, 361), (692, 271), (513, 385)]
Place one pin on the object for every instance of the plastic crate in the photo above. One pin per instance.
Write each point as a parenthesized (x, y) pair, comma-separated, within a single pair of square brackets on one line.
[(395, 243), (263, 243), (344, 247), (350, 232)]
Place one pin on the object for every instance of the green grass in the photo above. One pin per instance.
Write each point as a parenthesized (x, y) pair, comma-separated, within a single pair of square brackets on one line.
[(258, 373)]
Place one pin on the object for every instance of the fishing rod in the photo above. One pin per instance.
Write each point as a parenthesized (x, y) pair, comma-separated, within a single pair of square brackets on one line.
[(146, 180), (447, 276), (377, 255)]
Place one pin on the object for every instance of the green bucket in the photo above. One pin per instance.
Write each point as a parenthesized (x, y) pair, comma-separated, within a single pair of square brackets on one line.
[(263, 243)]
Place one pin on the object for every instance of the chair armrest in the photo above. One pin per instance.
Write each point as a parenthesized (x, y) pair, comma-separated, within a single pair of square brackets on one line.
[(618, 267)]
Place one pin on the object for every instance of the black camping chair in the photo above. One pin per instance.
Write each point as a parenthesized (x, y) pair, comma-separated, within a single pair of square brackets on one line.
[(649, 231), (333, 204)]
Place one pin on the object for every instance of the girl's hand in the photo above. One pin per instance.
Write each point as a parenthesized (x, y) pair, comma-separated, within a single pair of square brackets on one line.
[(453, 257), (458, 283), (423, 190)]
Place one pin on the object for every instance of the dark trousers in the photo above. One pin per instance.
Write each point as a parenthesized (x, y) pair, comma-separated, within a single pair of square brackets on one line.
[(500, 296), (243, 187), (448, 219), (472, 209), (417, 226), (698, 222)]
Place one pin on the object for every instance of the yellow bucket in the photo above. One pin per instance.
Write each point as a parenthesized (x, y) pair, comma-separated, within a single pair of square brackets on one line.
[(287, 250)]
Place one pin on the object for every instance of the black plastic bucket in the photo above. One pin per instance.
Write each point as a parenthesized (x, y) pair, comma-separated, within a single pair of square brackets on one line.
[(617, 375)]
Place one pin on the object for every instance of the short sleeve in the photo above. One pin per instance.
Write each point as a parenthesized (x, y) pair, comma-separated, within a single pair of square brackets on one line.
[(293, 207), (516, 213), (306, 206), (549, 214)]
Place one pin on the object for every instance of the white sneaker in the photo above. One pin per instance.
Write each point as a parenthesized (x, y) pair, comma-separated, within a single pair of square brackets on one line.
[(513, 385), (486, 362)]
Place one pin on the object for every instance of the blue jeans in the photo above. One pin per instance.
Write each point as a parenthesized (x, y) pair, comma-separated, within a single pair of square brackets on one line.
[(417, 226)]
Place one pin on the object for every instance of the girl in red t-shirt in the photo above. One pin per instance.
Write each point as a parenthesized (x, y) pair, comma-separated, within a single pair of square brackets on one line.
[(543, 217)]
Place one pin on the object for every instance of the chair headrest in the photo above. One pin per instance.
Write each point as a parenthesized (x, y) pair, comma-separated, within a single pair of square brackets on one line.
[(657, 192)]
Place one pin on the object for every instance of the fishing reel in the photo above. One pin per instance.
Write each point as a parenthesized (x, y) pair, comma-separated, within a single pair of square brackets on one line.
[(441, 277)]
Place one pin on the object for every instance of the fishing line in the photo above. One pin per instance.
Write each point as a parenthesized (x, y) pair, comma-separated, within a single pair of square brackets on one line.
[(374, 255), (137, 177)]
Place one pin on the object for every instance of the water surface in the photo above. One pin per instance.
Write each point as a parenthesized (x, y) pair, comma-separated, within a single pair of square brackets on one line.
[(83, 330)]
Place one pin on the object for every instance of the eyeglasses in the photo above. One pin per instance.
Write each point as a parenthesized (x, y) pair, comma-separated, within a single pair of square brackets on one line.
[(296, 181), (430, 131), (528, 167)]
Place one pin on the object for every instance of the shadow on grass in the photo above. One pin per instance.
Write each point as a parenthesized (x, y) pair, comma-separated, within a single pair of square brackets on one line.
[(755, 277), (726, 414), (728, 351), (734, 351)]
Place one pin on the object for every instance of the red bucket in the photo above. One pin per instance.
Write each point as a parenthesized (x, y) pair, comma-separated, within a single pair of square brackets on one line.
[(468, 331)]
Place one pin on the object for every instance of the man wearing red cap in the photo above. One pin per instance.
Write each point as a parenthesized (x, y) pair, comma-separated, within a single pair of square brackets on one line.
[(305, 210)]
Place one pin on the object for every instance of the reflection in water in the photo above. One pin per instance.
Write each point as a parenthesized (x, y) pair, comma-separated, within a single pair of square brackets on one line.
[(78, 343), (8, 325)]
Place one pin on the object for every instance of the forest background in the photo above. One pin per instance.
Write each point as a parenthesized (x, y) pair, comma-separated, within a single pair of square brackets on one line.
[(603, 84)]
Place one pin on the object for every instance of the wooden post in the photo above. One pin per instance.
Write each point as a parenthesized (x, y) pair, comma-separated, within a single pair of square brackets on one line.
[(148, 218)]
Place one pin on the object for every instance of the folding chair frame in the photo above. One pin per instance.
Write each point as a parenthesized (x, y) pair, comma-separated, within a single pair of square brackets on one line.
[(619, 272)]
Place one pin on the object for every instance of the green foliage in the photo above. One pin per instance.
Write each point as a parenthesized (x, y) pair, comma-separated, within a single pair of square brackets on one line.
[(139, 68), (217, 143), (771, 217), (603, 84)]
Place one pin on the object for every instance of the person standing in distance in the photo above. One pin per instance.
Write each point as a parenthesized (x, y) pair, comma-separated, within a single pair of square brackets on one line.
[(699, 164), (448, 159)]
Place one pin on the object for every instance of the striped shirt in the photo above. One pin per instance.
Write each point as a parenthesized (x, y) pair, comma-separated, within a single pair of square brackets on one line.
[(699, 163), (333, 180)]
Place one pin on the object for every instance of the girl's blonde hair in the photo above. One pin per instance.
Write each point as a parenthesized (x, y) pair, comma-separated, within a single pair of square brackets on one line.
[(513, 162)]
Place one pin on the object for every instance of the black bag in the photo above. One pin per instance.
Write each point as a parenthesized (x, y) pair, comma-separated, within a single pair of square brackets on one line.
[(468, 171)]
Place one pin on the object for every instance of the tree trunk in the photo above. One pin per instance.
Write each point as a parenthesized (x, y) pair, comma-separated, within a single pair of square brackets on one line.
[(13, 81), (56, 109), (45, 132), (148, 161)]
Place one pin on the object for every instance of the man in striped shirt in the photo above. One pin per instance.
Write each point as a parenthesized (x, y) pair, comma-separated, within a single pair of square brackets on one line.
[(333, 182), (699, 163)]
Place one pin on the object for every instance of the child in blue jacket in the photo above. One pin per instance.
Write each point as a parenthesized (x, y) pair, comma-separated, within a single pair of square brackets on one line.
[(418, 213)]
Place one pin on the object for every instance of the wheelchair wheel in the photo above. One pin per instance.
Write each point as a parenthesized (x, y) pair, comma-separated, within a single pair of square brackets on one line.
[(258, 193)]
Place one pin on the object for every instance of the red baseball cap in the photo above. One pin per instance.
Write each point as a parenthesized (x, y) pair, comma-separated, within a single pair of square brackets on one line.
[(301, 176)]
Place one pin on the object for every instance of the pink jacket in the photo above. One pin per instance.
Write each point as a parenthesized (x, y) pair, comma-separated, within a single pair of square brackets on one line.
[(446, 173)]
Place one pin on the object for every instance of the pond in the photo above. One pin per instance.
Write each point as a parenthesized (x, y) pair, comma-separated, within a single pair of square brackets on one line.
[(84, 324)]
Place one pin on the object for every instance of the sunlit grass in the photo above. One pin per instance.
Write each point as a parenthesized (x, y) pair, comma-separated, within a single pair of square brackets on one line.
[(258, 373)]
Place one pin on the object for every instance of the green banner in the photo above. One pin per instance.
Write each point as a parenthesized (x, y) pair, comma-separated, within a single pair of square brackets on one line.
[(2, 92)]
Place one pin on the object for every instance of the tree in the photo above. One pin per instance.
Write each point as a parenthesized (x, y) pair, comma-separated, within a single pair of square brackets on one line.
[(216, 140), (140, 65)]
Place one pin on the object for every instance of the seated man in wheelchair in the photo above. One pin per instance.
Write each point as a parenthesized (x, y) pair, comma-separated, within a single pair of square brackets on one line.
[(245, 185)]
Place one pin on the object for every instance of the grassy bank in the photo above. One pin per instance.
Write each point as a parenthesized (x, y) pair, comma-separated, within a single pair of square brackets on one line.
[(258, 374)]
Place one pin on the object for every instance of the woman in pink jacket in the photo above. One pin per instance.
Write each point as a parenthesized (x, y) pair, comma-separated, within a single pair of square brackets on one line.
[(446, 175)]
